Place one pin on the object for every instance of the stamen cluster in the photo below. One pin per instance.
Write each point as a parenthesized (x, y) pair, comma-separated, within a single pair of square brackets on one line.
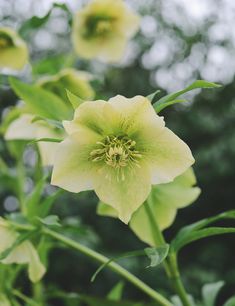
[(116, 151)]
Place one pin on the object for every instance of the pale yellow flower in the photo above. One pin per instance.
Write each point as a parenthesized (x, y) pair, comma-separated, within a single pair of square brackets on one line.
[(164, 201), (13, 50), (119, 148), (24, 253), (102, 29), (73, 80), (24, 128)]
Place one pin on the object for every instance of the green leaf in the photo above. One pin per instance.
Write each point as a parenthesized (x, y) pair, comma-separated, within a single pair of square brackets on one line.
[(41, 102), (73, 99), (156, 255), (33, 23), (95, 301), (46, 205), (203, 233), (116, 293), (210, 292), (153, 95), (230, 302), (194, 231), (46, 140), (172, 98), (33, 199), (51, 220), (36, 22)]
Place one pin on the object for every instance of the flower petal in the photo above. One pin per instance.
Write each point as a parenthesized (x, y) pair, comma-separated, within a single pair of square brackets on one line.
[(168, 155), (124, 195), (73, 170), (141, 225), (136, 114), (22, 128), (97, 116), (36, 269)]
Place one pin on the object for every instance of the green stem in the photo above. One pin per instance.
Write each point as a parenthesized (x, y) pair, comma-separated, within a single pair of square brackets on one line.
[(114, 266), (170, 264), (25, 298), (21, 182)]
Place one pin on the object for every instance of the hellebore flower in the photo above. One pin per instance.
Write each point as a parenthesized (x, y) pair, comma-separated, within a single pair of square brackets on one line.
[(119, 148), (24, 253), (13, 50), (25, 128), (164, 201), (102, 28), (75, 81)]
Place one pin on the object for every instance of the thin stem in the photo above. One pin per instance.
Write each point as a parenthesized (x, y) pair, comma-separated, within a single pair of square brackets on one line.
[(170, 264), (25, 298), (114, 266)]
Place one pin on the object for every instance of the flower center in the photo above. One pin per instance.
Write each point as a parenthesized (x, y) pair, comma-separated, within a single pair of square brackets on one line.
[(97, 26), (116, 151), (5, 41)]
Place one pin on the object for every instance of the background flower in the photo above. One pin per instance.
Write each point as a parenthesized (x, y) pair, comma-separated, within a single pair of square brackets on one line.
[(102, 28), (73, 80), (24, 253), (23, 126), (13, 50)]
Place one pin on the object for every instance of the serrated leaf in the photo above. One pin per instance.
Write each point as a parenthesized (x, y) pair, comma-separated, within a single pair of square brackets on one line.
[(172, 98), (116, 292), (73, 99), (210, 292), (40, 101), (156, 255)]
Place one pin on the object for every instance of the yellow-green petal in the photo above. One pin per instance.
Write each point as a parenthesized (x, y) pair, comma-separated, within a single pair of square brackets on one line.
[(75, 81), (125, 192), (168, 155), (73, 170), (13, 50), (22, 128), (24, 253), (163, 200)]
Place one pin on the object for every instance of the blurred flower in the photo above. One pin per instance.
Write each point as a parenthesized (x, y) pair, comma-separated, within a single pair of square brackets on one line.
[(4, 300), (75, 81), (24, 253), (102, 29), (164, 201), (13, 50), (119, 148), (25, 128)]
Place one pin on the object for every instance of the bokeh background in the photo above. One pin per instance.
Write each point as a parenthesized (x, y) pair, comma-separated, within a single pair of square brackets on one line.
[(179, 41)]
